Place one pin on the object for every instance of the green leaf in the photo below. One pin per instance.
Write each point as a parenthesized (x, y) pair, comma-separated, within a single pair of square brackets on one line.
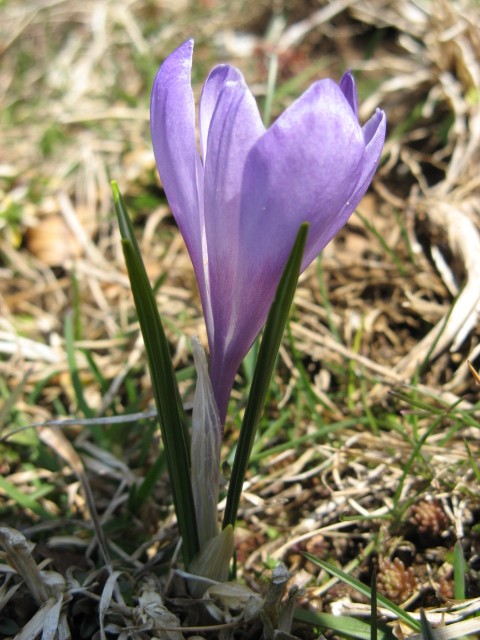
[(427, 631), (459, 567), (174, 431), (274, 328), (25, 500), (344, 626), (471, 459), (139, 496), (373, 607), (73, 367), (363, 589)]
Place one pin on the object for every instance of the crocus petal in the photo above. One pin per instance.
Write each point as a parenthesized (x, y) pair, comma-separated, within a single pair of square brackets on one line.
[(349, 90), (172, 123), (214, 84), (304, 168), (374, 136), (235, 127), (239, 210)]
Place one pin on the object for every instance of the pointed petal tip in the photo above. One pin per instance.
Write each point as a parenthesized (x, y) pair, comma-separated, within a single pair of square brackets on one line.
[(347, 78), (181, 57), (349, 89), (188, 45), (383, 120), (374, 132), (185, 46)]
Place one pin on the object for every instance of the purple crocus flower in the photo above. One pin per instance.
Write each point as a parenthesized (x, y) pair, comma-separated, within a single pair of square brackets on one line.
[(240, 201)]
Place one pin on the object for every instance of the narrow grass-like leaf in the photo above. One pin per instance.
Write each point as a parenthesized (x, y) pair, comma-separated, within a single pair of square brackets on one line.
[(38, 387), (343, 626), (364, 590), (373, 426), (413, 419), (427, 631), (76, 310), (274, 328), (383, 243), (312, 398), (271, 431), (413, 456), (73, 367), (473, 463), (9, 400), (97, 374), (427, 359), (458, 572), (352, 383), (373, 607), (248, 365), (326, 301), (323, 432), (405, 236), (423, 407), (25, 500), (138, 497), (165, 389)]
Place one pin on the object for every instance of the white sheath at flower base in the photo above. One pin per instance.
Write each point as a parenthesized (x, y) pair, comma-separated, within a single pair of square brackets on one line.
[(206, 441)]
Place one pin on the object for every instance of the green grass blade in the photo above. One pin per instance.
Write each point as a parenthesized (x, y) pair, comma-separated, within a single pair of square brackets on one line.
[(364, 590), (326, 300), (474, 466), (383, 243), (427, 631), (274, 328), (139, 496), (73, 367), (9, 399), (322, 433), (373, 607), (416, 453), (458, 572), (165, 389), (24, 500), (343, 626)]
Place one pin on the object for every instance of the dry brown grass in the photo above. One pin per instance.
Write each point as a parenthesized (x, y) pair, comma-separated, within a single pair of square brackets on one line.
[(387, 338)]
